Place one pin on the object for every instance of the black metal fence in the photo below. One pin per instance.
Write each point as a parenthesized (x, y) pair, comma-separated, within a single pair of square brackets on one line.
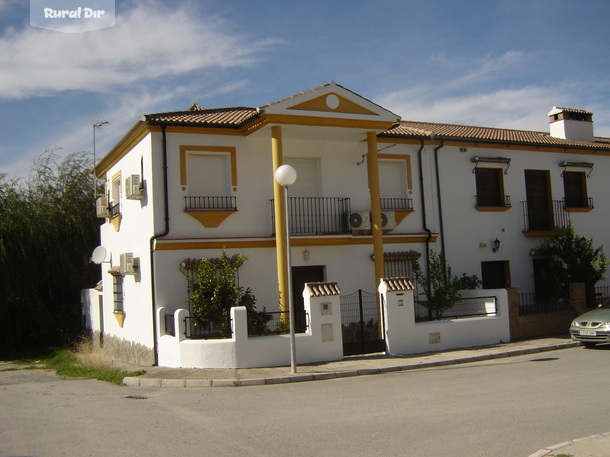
[(545, 215), (200, 329), (210, 202), (529, 304), (316, 215)]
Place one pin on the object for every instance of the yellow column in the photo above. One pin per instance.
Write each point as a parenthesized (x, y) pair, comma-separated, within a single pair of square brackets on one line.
[(280, 219), (373, 175)]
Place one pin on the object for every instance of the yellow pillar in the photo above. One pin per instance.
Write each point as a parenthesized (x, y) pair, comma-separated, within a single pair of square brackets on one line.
[(373, 176), (280, 219)]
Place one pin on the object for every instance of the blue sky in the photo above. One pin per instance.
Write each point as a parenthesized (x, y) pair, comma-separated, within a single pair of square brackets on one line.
[(491, 63)]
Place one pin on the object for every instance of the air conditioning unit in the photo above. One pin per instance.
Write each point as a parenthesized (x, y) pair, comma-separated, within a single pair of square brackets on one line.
[(129, 264), (101, 207), (133, 188), (388, 220), (360, 221)]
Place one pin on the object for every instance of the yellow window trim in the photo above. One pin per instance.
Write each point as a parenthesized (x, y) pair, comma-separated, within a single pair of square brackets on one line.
[(224, 149)]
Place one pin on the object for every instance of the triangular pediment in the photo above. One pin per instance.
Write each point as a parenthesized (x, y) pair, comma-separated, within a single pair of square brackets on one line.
[(330, 101), (333, 103)]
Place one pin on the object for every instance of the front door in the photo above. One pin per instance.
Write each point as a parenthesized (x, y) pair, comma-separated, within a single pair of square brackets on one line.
[(301, 276), (495, 275)]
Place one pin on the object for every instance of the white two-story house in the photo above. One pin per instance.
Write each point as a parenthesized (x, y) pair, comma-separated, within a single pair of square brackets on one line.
[(372, 193)]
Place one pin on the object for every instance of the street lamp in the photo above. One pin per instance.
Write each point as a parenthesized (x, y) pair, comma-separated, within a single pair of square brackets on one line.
[(285, 175)]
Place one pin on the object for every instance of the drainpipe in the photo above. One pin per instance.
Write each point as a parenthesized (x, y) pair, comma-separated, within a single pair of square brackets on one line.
[(423, 210), (438, 191), (152, 248)]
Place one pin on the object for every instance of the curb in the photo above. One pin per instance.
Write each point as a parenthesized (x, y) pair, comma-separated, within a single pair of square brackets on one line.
[(199, 383), (547, 450)]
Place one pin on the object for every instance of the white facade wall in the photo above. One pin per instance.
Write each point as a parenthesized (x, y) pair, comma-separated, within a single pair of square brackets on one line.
[(469, 234), (133, 235)]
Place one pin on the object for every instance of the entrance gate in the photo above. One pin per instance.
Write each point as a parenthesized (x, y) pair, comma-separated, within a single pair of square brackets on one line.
[(360, 324)]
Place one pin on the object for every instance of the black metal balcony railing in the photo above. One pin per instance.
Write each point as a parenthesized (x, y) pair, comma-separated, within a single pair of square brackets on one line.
[(545, 215), (396, 204), (114, 210), (579, 202), (316, 215), (496, 200), (210, 202)]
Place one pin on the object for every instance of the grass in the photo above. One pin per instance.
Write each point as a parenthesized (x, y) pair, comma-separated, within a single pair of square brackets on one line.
[(83, 362)]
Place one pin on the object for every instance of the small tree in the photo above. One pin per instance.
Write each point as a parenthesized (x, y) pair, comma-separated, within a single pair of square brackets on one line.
[(214, 291), (571, 259), (441, 287)]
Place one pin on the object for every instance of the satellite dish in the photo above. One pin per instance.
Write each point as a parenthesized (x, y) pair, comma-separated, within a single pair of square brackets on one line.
[(98, 255)]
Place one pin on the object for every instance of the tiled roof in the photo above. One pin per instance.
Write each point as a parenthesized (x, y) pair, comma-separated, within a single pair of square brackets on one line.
[(323, 289), (198, 116), (398, 284), (413, 129), (238, 116)]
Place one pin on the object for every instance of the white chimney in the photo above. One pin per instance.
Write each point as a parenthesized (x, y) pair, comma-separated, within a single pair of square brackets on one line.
[(571, 124)]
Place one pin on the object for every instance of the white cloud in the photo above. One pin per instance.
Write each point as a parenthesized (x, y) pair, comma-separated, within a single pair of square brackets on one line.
[(147, 42)]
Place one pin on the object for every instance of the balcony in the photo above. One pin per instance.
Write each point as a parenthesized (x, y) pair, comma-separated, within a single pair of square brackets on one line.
[(578, 203), (210, 211), (210, 203), (544, 215), (316, 215), (397, 204)]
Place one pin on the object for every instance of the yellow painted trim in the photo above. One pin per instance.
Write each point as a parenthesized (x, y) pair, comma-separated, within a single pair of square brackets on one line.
[(401, 215), (319, 121), (281, 252), (116, 222), (120, 317), (345, 106), (578, 210), (232, 151), (137, 133), (406, 158), (210, 218), (541, 233), (295, 241), (372, 163)]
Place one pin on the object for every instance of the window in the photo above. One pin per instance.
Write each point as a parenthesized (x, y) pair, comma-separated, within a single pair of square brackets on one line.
[(393, 185), (490, 188), (115, 195), (208, 175), (308, 181), (117, 290), (575, 189)]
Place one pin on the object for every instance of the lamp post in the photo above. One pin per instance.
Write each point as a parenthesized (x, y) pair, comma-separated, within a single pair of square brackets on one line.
[(285, 175)]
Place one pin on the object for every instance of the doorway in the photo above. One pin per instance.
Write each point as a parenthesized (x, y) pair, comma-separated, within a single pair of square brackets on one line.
[(537, 193), (495, 275), (301, 276)]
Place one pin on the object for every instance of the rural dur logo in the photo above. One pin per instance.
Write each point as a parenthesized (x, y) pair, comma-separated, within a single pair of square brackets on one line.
[(72, 16)]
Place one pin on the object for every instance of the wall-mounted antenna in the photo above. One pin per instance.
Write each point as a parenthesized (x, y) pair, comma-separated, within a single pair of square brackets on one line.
[(96, 126)]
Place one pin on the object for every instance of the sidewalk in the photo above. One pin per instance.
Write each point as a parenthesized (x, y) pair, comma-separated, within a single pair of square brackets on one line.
[(349, 366), (592, 446)]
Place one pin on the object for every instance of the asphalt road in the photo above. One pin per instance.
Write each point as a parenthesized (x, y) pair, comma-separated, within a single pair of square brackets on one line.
[(506, 407)]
